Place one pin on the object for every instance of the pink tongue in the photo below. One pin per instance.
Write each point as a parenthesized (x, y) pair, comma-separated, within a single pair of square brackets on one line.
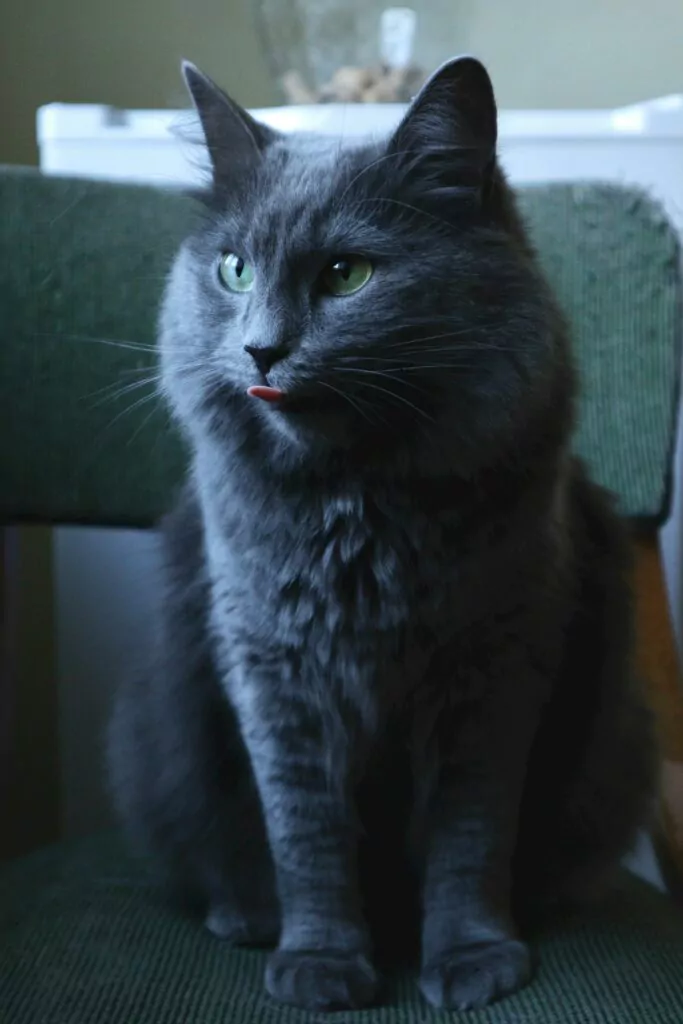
[(267, 394)]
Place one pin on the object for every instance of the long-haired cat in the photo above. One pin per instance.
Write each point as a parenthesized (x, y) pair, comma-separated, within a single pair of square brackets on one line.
[(392, 693)]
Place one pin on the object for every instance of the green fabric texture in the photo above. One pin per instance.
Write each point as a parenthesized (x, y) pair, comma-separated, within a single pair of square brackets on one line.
[(613, 260), (82, 267), (82, 264), (86, 939)]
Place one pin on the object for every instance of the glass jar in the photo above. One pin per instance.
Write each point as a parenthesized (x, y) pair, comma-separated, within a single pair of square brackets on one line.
[(309, 41)]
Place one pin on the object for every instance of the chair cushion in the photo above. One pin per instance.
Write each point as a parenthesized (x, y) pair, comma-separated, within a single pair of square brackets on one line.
[(86, 938)]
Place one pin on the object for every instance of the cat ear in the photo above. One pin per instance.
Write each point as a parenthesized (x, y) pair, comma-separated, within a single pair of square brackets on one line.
[(455, 108), (233, 138)]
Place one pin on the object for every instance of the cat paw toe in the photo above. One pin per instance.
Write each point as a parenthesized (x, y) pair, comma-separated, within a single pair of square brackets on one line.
[(474, 976), (238, 929), (322, 981)]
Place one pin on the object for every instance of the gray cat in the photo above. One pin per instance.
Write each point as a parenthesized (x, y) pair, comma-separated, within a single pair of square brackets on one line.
[(392, 710)]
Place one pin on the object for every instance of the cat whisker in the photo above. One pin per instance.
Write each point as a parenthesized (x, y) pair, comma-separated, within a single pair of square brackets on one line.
[(382, 373), (120, 343), (409, 356), (346, 397), (400, 366), (129, 371), (456, 366), (152, 397), (87, 340), (112, 392), (392, 155), (141, 426), (117, 389), (399, 398), (409, 206), (419, 346), (422, 339), (397, 154)]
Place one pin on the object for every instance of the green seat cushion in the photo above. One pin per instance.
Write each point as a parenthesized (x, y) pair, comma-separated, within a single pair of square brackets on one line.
[(86, 938), (82, 266)]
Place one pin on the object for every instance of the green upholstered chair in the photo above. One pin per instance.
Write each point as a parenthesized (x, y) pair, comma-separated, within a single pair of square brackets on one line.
[(85, 937)]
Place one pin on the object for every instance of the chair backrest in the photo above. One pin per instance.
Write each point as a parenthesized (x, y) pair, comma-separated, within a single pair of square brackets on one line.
[(82, 266)]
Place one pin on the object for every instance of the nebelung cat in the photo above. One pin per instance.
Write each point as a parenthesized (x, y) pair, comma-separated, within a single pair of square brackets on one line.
[(392, 693)]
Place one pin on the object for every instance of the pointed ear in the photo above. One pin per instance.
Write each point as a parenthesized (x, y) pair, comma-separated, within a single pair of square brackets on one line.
[(456, 108), (233, 138)]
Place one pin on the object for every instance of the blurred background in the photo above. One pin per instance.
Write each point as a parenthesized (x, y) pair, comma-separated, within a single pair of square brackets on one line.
[(540, 54), (81, 597)]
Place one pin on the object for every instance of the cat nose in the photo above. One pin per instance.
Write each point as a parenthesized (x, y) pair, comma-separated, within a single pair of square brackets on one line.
[(265, 356)]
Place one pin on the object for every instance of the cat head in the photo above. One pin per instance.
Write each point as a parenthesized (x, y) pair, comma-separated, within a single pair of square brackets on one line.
[(373, 298)]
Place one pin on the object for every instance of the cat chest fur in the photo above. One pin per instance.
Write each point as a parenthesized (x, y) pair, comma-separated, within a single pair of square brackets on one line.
[(342, 594)]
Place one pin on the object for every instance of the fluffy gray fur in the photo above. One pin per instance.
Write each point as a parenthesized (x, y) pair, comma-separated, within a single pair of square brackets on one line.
[(392, 698)]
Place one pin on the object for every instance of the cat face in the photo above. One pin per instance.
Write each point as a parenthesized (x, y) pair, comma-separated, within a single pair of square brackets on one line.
[(362, 297)]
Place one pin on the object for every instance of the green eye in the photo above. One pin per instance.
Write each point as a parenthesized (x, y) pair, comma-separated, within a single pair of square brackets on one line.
[(235, 273), (346, 275)]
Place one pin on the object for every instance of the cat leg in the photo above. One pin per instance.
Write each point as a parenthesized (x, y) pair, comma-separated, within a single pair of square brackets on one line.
[(236, 873), (323, 958), (471, 953), (184, 791), (180, 775), (594, 772)]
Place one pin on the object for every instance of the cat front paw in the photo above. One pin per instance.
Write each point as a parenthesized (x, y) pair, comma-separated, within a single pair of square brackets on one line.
[(471, 977), (320, 980)]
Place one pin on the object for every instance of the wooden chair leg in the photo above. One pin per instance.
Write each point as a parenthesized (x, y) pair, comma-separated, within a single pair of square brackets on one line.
[(7, 635), (658, 663), (29, 754)]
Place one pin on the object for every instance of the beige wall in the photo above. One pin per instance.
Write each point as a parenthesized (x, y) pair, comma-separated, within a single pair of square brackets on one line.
[(126, 52), (123, 52), (573, 53)]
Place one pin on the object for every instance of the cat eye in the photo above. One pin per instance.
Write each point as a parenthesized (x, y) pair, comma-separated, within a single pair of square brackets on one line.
[(235, 273), (346, 275)]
